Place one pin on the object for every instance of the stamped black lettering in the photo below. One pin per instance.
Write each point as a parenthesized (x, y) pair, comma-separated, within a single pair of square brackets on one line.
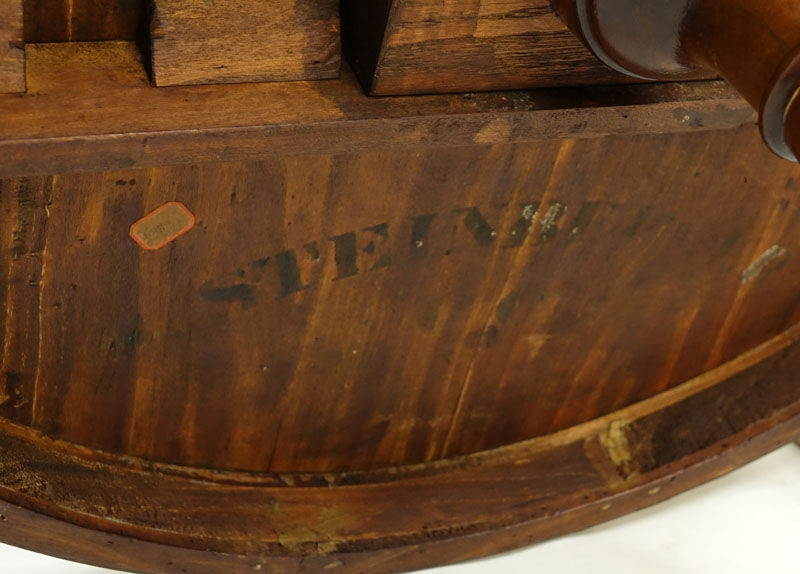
[(378, 238), (345, 255), (420, 230), (477, 226)]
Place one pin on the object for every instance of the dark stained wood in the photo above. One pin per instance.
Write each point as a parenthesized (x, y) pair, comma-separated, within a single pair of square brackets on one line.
[(172, 519), (81, 20), (363, 30), (91, 107), (231, 41), (430, 46), (754, 44), (12, 49)]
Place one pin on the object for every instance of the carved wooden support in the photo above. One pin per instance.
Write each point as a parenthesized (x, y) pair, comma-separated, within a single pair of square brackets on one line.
[(234, 41), (753, 44)]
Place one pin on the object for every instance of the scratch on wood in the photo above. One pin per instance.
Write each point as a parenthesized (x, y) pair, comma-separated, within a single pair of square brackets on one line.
[(755, 269), (46, 204), (70, 9)]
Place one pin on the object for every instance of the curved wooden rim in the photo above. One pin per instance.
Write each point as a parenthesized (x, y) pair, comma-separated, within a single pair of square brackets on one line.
[(638, 410), (130, 514)]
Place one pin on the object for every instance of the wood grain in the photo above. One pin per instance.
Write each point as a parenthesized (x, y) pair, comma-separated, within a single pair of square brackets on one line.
[(442, 313), (12, 49), (126, 513), (91, 107), (81, 20), (402, 332), (435, 46), (232, 41)]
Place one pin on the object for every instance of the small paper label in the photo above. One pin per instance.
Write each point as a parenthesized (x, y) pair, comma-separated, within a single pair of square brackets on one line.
[(163, 225)]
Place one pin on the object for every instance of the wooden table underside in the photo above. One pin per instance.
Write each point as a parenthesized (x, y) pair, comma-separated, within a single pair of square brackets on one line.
[(403, 332)]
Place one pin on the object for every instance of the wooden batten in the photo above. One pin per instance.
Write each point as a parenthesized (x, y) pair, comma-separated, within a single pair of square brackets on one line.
[(440, 47), (12, 50), (234, 41), (95, 109)]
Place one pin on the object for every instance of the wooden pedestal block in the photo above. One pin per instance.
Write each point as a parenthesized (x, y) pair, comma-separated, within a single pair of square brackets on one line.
[(435, 46), (232, 41), (12, 50)]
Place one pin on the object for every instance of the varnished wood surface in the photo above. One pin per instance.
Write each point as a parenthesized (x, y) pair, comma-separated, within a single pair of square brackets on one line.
[(385, 333), (430, 46), (90, 107), (12, 50), (389, 307), (125, 513), (81, 20), (232, 41)]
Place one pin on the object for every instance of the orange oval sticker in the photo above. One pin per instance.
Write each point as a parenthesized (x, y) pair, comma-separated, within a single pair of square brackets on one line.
[(165, 224)]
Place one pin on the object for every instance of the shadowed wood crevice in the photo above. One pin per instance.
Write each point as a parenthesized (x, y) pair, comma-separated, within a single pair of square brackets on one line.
[(363, 25)]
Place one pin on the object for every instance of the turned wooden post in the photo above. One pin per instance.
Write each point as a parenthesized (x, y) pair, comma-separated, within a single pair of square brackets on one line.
[(753, 44)]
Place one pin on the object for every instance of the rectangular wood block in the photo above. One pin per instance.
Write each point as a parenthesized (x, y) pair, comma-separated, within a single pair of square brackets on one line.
[(12, 49), (231, 41), (435, 46)]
